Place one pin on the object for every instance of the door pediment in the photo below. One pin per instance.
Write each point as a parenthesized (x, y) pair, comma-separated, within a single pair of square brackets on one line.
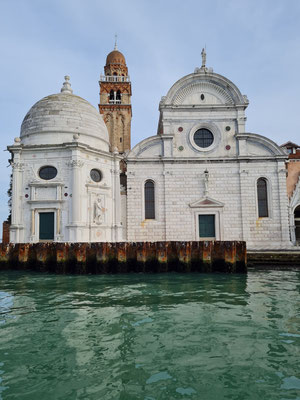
[(206, 202)]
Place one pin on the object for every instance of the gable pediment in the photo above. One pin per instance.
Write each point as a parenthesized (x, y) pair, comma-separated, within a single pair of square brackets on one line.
[(206, 202)]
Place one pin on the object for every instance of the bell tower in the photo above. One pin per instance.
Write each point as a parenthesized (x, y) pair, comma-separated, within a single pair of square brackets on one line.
[(115, 100)]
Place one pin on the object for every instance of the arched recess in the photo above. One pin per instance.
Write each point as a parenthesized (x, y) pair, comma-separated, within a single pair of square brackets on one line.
[(120, 133), (111, 96), (110, 125), (297, 223)]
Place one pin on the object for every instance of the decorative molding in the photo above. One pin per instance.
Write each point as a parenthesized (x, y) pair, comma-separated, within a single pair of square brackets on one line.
[(206, 202), (45, 184), (198, 87), (97, 185), (17, 165), (75, 163)]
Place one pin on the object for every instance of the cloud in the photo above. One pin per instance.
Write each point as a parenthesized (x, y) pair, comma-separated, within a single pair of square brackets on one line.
[(253, 44)]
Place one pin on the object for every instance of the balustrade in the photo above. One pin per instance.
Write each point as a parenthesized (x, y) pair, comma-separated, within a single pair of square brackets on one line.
[(114, 78)]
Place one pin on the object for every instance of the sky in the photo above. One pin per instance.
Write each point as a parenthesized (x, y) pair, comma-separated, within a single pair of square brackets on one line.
[(253, 43)]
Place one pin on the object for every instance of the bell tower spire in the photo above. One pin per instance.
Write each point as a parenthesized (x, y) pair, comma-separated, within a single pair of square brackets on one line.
[(115, 100)]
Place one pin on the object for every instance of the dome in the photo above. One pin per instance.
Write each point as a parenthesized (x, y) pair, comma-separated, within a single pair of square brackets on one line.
[(115, 57), (55, 119)]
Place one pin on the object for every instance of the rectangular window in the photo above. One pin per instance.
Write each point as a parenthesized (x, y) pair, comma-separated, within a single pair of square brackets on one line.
[(207, 226), (46, 225)]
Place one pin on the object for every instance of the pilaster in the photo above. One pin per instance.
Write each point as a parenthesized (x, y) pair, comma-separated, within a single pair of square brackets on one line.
[(16, 206)]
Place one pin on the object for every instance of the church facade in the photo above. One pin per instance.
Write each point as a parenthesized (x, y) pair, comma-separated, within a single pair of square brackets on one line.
[(202, 177)]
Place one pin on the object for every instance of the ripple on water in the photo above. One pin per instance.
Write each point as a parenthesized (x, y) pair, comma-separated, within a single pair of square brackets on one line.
[(149, 337), (159, 376)]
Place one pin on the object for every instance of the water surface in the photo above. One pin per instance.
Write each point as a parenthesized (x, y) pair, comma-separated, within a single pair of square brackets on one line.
[(150, 337)]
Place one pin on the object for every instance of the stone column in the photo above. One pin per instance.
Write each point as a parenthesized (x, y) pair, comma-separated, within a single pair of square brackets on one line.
[(283, 202), (243, 181), (117, 227), (32, 233), (16, 200), (76, 219)]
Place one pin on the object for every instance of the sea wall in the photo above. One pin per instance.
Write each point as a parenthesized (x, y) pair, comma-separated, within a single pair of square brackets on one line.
[(122, 257)]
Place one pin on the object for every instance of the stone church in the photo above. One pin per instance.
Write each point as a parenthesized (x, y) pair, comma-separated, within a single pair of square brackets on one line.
[(202, 177)]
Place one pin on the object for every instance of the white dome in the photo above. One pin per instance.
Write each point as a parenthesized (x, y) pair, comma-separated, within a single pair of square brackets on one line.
[(56, 118)]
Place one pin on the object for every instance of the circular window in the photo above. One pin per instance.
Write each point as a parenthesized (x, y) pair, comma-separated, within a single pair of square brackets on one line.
[(96, 175), (47, 173), (203, 138)]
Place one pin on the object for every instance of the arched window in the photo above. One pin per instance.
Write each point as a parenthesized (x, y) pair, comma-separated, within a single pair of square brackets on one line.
[(118, 96), (149, 200), (111, 95), (297, 223), (262, 198)]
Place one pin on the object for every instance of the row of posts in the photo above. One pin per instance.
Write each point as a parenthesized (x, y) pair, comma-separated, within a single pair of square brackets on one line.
[(207, 256)]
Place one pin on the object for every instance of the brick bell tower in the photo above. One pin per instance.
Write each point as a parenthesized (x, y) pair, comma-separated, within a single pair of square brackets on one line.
[(115, 100)]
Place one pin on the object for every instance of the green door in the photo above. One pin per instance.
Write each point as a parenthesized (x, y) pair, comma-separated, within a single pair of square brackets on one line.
[(207, 226), (47, 226)]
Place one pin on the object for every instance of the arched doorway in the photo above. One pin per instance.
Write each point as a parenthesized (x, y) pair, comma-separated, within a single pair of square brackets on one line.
[(297, 223)]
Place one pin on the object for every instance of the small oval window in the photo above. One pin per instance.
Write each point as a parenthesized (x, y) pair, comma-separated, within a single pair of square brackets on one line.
[(96, 175), (202, 96), (47, 172)]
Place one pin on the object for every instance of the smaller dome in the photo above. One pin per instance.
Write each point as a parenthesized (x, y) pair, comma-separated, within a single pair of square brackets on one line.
[(115, 57), (62, 118)]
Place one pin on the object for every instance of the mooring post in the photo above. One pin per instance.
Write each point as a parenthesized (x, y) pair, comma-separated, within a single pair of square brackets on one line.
[(206, 254)]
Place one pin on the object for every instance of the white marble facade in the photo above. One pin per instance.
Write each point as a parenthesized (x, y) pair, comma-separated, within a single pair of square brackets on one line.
[(219, 180), (190, 180), (65, 132)]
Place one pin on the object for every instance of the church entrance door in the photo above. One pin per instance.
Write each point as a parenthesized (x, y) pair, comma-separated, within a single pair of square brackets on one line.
[(207, 226), (297, 223), (46, 226)]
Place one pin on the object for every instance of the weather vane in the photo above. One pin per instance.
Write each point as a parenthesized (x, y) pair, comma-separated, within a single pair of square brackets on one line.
[(116, 37)]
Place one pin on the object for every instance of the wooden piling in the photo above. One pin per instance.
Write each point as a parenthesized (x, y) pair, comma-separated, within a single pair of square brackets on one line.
[(123, 257)]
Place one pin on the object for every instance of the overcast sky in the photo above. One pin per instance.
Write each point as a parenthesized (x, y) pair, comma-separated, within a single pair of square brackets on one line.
[(254, 43)]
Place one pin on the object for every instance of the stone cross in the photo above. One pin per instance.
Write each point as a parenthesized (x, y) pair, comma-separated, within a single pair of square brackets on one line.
[(203, 54)]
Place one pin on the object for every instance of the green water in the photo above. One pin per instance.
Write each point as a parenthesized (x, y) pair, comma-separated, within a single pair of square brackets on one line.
[(150, 337)]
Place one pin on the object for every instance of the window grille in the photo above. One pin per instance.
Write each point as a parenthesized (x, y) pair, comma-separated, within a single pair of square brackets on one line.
[(203, 138)]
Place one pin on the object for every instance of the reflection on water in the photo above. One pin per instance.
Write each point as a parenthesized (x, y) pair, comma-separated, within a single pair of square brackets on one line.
[(150, 337)]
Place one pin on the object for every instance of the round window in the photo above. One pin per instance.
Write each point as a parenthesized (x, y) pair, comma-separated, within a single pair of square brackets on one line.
[(96, 175), (203, 137), (47, 172)]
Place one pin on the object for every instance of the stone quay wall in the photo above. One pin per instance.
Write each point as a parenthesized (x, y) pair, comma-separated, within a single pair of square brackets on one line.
[(122, 257)]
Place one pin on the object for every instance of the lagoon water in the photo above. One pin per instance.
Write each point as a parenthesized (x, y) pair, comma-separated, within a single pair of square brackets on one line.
[(150, 337)]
